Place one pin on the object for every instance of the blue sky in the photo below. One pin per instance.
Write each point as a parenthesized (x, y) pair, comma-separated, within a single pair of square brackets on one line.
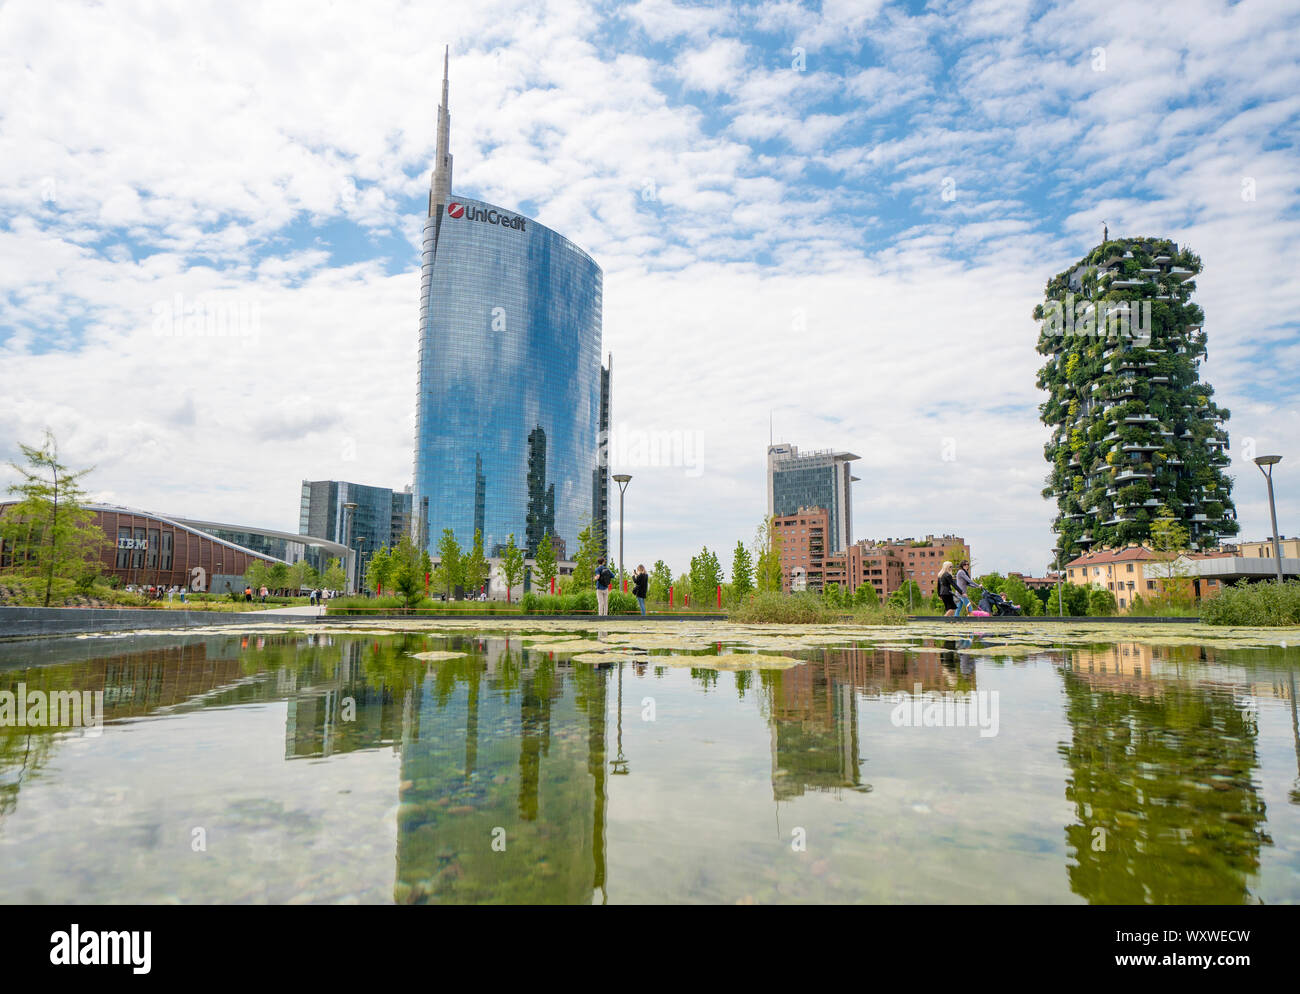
[(836, 215)]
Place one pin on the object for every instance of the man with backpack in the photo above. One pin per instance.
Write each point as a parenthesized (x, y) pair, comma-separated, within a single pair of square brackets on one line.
[(604, 577)]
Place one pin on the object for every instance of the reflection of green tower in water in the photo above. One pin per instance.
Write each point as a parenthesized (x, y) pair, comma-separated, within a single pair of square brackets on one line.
[(503, 741), (1169, 781)]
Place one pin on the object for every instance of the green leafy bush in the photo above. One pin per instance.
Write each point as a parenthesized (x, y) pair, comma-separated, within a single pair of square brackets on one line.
[(1267, 604), (806, 608)]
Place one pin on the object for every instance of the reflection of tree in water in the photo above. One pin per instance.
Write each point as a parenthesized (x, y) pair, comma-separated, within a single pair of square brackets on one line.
[(1168, 778), (507, 747), (22, 753), (813, 713)]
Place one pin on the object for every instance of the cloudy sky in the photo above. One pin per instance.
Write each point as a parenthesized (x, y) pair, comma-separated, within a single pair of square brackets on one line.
[(835, 216)]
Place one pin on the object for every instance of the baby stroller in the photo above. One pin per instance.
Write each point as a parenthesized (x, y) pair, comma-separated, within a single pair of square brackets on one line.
[(997, 605)]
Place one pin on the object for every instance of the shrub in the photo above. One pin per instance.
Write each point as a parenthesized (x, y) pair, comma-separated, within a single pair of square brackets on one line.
[(771, 607), (1264, 604)]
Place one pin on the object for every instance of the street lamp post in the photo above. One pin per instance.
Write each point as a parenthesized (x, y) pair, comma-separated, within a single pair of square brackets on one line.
[(1060, 605), (622, 479), (1270, 462), (349, 511)]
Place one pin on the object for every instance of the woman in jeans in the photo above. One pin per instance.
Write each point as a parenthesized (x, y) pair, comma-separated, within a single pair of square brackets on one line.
[(963, 584), (640, 584), (944, 586)]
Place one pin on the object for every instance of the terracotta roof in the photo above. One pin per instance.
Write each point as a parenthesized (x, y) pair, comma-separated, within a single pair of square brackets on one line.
[(1131, 554)]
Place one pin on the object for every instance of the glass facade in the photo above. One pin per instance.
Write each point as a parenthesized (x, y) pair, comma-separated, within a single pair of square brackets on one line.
[(509, 408), (381, 518)]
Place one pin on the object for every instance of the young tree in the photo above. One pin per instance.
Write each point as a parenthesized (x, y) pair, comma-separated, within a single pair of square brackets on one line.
[(662, 575), (379, 571), (833, 595), (335, 577), (49, 533), (742, 570), (476, 567), (584, 564), (512, 565), (544, 564), (258, 575), (1102, 604), (279, 576), (1168, 542), (908, 597), (866, 596), (407, 574), (450, 573), (706, 575), (767, 556)]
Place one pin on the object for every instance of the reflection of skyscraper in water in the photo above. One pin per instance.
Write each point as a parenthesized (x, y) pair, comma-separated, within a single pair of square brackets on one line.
[(813, 713), (541, 497), (1164, 787), (516, 757)]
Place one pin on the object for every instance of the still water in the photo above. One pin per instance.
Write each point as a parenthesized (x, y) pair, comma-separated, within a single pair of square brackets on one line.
[(340, 768)]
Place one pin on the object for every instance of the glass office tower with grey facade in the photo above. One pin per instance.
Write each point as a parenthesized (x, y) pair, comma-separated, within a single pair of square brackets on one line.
[(509, 413)]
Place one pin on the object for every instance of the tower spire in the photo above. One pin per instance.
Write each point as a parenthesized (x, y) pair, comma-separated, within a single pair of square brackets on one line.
[(440, 186)]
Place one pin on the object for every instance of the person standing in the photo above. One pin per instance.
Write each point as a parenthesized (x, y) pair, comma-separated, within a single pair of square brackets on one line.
[(640, 586), (264, 592), (604, 577), (963, 584), (944, 585)]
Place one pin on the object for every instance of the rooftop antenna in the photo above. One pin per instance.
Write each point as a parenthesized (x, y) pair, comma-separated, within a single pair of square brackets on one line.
[(771, 439)]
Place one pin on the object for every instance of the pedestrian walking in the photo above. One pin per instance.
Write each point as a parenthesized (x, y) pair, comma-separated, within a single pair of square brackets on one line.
[(640, 586), (963, 582), (604, 577), (945, 585), (264, 593)]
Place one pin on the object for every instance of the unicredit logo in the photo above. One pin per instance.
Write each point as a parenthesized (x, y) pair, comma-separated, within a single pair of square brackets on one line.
[(456, 210)]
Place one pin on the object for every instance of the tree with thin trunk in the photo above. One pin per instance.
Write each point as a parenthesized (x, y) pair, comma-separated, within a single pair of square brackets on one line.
[(49, 534), (512, 565), (476, 567), (544, 564)]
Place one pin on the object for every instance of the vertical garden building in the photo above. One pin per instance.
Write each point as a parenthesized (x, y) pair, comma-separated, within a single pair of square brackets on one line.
[(509, 412), (1134, 429)]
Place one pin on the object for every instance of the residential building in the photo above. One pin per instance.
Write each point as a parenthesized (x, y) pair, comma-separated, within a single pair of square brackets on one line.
[(1264, 549), (802, 541), (1135, 429)]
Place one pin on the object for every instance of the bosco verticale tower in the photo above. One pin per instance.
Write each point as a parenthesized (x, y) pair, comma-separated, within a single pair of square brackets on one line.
[(1135, 431)]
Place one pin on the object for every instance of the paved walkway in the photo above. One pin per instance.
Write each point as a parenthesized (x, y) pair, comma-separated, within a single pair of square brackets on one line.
[(305, 610)]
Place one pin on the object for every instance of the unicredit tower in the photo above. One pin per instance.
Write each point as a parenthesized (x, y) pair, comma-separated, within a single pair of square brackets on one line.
[(512, 396)]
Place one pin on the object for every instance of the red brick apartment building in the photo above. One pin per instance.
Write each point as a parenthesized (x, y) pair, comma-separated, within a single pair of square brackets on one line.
[(802, 539), (806, 563)]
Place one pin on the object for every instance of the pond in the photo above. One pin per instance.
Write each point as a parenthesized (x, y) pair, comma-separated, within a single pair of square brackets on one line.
[(659, 764)]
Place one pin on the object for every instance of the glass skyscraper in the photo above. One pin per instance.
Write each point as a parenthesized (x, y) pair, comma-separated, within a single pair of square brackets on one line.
[(509, 413)]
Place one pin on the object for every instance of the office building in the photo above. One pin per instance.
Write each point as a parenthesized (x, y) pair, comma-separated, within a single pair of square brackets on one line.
[(813, 479), (511, 392)]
